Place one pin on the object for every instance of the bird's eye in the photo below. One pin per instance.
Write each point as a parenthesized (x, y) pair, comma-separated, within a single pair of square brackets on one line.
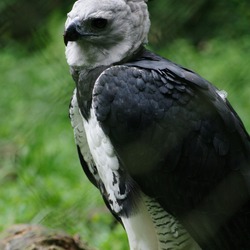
[(99, 23)]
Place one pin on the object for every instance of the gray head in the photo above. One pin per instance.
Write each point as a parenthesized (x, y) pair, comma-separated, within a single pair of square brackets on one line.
[(102, 32)]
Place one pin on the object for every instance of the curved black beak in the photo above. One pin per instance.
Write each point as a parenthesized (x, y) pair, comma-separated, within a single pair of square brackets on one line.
[(71, 33)]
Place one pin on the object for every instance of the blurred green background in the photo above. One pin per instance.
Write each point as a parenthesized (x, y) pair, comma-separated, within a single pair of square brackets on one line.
[(41, 180)]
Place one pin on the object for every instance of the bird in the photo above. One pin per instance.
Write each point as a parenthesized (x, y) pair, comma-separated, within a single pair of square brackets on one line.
[(169, 154)]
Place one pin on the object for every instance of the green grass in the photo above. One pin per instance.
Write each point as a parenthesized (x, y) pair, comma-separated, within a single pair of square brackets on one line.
[(41, 180)]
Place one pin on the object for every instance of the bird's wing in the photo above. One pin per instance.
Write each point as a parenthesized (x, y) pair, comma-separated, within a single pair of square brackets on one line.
[(174, 133)]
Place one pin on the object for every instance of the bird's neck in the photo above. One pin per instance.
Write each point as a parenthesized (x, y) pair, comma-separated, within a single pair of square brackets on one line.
[(85, 79)]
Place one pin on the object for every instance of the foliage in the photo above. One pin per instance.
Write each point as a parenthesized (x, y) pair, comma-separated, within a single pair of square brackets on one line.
[(198, 21), (41, 180)]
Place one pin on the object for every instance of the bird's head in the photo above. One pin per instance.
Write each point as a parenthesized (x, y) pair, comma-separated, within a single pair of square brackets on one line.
[(102, 32)]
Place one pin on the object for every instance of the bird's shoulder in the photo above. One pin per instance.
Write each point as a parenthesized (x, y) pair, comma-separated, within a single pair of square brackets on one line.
[(151, 88)]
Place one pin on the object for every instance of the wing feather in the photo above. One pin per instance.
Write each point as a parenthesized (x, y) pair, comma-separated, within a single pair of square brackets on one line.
[(174, 135)]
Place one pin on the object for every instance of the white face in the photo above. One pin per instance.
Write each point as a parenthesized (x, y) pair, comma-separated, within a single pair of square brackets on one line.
[(113, 28)]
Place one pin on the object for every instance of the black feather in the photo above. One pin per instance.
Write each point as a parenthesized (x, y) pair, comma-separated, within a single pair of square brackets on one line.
[(182, 144)]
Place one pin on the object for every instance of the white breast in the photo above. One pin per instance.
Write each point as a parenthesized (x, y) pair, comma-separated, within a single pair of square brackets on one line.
[(97, 152), (107, 163)]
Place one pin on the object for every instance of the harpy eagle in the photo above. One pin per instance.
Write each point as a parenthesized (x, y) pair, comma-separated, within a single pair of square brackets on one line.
[(165, 148)]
